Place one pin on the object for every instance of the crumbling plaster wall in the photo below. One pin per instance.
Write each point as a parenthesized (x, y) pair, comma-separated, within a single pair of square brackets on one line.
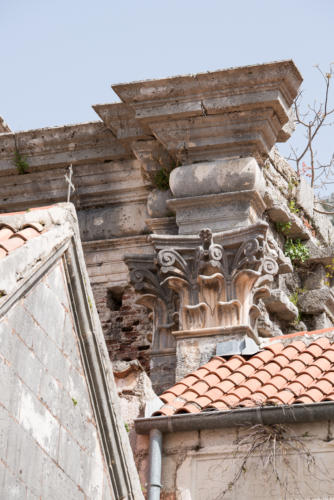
[(204, 464), (49, 442)]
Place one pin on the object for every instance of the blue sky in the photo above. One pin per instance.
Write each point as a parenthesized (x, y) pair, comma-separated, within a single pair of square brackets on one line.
[(58, 57)]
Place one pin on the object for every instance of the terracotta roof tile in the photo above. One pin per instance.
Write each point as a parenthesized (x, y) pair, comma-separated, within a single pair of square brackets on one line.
[(314, 349), (329, 376), (329, 397), (279, 374), (329, 354), (190, 380), (263, 376), (256, 362), (178, 389), (223, 372), (215, 393), (237, 378), (212, 379), (246, 369), (315, 394), (282, 360), (221, 406), (190, 407), (11, 239), (190, 394), (234, 362), (201, 386), (306, 358), (5, 233)]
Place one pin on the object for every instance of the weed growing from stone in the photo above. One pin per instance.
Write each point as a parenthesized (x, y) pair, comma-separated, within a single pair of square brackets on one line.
[(296, 250), (292, 207), (329, 273), (21, 163), (283, 227), (161, 179), (295, 296)]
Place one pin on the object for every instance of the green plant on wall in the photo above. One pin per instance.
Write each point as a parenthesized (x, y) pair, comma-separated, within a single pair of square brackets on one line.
[(295, 296), (292, 207), (329, 273), (296, 250), (283, 227), (161, 179), (21, 163)]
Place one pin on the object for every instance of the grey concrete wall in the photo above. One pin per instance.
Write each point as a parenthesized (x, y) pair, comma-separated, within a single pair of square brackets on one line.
[(49, 442)]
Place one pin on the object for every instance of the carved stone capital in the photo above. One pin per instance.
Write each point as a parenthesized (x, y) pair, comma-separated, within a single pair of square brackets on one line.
[(218, 284)]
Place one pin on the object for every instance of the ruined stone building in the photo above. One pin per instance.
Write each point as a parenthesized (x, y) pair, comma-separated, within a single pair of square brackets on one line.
[(212, 274)]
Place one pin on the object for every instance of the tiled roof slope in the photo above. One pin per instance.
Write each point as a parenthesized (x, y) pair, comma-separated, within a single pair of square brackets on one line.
[(12, 238), (301, 372)]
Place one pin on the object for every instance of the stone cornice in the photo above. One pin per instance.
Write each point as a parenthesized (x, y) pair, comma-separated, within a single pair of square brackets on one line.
[(120, 119), (58, 146), (100, 183), (154, 94), (237, 111)]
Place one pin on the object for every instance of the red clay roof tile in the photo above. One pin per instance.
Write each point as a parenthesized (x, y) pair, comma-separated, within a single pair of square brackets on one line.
[(220, 405), (306, 358), (201, 386), (329, 354), (5, 233), (279, 374), (212, 379), (329, 376), (10, 239), (190, 380), (315, 350), (223, 372)]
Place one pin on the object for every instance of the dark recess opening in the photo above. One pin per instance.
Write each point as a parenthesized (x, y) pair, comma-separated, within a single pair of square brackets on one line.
[(114, 298)]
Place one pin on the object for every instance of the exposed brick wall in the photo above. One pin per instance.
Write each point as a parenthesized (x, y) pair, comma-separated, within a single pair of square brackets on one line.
[(127, 326)]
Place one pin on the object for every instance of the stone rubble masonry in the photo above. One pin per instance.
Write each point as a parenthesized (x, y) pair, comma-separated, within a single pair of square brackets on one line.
[(127, 326), (49, 443)]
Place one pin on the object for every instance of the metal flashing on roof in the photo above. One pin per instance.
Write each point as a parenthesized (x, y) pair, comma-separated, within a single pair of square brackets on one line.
[(244, 346)]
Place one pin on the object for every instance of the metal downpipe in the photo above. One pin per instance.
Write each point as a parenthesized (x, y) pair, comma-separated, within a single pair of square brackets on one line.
[(155, 464)]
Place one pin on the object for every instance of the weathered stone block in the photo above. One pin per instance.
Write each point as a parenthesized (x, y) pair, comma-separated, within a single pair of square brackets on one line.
[(220, 212), (220, 176), (156, 203), (305, 196), (317, 301), (280, 304)]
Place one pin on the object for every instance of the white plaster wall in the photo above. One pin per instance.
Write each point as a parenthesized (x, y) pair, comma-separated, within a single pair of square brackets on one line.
[(204, 466)]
